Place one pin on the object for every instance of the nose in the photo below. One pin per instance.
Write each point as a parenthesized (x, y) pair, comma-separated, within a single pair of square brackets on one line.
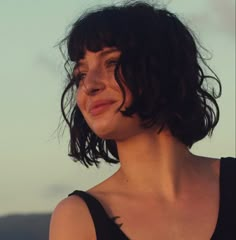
[(93, 83)]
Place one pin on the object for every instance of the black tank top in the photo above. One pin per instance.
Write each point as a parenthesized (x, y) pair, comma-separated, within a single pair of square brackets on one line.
[(107, 229)]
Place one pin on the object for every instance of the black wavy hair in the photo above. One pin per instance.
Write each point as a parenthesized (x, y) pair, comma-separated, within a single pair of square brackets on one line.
[(159, 55)]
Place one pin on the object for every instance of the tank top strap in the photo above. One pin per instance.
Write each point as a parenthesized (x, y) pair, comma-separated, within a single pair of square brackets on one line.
[(228, 189), (226, 224), (105, 228)]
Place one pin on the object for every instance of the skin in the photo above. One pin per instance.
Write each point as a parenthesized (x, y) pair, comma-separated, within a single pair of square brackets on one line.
[(158, 191), (98, 83)]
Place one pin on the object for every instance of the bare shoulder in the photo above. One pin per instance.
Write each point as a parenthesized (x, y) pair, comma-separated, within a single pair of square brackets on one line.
[(71, 220), (106, 186), (212, 165)]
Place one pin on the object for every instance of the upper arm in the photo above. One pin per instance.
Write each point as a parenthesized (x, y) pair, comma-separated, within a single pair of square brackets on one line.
[(71, 220)]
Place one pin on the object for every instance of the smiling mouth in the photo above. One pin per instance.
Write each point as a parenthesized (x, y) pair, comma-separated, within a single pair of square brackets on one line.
[(100, 108)]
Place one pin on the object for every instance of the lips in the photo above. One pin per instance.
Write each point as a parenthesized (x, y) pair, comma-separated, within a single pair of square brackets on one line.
[(100, 106)]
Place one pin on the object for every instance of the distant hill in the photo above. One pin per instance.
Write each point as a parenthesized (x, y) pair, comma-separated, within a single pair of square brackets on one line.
[(25, 227)]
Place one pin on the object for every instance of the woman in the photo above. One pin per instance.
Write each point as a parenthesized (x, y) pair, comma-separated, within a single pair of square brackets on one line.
[(138, 95)]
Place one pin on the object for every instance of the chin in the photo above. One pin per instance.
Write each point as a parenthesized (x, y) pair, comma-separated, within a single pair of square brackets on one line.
[(106, 134), (102, 129), (115, 134), (115, 128)]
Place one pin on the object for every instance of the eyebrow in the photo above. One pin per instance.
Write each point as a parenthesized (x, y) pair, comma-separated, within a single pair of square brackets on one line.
[(108, 51), (102, 54)]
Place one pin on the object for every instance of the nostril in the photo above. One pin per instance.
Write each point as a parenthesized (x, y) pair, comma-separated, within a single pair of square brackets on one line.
[(93, 87)]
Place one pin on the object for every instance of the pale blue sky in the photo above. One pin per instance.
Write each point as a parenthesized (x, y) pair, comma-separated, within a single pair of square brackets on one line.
[(35, 171)]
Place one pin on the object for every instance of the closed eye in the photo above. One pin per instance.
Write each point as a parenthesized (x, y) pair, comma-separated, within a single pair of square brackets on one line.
[(79, 78), (111, 62)]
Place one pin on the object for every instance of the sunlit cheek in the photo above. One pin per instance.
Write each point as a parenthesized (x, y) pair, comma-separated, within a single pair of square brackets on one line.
[(128, 97), (128, 94)]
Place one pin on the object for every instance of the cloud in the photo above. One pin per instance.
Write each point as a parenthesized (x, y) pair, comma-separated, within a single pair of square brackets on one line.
[(56, 190), (47, 63), (219, 16), (225, 11)]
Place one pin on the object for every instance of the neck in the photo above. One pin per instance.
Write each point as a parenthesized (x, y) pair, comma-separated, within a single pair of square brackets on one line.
[(154, 163)]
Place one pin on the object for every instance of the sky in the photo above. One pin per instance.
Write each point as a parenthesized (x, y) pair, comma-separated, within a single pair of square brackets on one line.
[(35, 171)]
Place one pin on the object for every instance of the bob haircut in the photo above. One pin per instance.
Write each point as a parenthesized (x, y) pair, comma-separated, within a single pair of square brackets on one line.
[(160, 56)]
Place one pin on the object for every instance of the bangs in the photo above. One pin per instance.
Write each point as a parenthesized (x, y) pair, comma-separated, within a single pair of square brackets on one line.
[(93, 33)]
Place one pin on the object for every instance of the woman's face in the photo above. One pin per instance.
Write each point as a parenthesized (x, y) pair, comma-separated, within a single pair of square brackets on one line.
[(99, 96)]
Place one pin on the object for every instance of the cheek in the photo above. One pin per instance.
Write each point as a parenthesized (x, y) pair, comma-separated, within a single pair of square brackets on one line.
[(128, 94), (128, 97)]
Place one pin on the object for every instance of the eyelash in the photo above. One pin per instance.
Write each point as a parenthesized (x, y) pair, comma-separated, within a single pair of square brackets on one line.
[(111, 62), (80, 76)]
